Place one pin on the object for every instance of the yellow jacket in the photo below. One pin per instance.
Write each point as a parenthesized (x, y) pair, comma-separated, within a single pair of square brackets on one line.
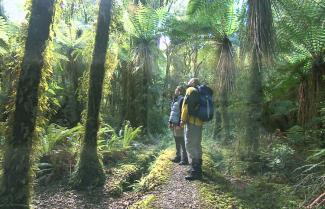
[(185, 116)]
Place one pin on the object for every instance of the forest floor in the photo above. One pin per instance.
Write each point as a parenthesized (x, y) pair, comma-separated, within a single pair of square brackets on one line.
[(163, 187), (175, 193)]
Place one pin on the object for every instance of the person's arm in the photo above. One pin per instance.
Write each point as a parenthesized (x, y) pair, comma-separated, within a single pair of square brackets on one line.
[(184, 115), (180, 110), (170, 124)]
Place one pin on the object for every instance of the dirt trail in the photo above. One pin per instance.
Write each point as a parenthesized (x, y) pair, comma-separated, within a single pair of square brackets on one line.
[(178, 193)]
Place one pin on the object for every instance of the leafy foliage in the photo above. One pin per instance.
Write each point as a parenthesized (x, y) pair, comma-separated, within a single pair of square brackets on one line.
[(145, 23), (3, 36)]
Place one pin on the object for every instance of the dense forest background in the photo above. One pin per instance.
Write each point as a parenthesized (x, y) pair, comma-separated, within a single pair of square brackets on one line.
[(104, 75)]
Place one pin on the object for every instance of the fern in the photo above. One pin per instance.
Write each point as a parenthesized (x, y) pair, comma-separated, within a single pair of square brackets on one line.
[(301, 27), (56, 134), (145, 23), (68, 40), (130, 134), (219, 16)]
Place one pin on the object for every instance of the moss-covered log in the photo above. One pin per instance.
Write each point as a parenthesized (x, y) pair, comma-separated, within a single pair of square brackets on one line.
[(15, 185)]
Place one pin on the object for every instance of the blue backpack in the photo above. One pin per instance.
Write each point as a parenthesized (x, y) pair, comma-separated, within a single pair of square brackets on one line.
[(200, 103)]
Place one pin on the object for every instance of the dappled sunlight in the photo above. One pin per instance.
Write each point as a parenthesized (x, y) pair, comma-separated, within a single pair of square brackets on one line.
[(166, 104)]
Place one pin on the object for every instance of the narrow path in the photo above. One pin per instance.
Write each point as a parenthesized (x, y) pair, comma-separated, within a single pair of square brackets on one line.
[(178, 193)]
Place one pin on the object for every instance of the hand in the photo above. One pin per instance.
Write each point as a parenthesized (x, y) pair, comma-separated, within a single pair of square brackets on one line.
[(182, 124), (170, 125)]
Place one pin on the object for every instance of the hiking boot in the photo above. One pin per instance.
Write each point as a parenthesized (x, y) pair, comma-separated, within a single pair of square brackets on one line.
[(194, 175), (176, 159), (196, 171), (183, 162)]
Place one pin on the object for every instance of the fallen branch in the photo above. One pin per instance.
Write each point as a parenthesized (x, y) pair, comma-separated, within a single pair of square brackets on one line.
[(318, 201)]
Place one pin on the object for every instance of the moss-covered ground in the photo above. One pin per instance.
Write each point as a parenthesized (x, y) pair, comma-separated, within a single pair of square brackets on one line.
[(221, 189), (147, 179)]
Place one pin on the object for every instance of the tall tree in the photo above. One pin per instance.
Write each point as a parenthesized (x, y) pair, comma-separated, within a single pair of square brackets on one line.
[(301, 33), (260, 49), (15, 185), (220, 26), (71, 42), (89, 171), (225, 82), (144, 26)]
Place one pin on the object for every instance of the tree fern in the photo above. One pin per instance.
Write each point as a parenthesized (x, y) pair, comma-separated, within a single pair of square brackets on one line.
[(300, 29), (302, 25), (145, 23)]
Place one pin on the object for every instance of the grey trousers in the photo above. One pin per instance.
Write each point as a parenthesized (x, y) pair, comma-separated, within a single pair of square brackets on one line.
[(193, 138)]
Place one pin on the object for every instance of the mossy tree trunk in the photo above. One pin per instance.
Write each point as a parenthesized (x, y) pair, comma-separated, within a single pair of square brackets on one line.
[(89, 171), (217, 125), (166, 93), (15, 186), (254, 108), (225, 116), (225, 74), (261, 49)]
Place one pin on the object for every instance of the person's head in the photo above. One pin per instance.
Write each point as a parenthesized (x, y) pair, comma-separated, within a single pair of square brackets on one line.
[(179, 90), (193, 82)]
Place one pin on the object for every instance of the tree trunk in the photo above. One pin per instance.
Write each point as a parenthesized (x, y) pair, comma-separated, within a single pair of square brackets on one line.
[(254, 108), (225, 116), (132, 97), (217, 125), (124, 90), (167, 81), (310, 93), (2, 11), (89, 170), (74, 71), (15, 187), (145, 96)]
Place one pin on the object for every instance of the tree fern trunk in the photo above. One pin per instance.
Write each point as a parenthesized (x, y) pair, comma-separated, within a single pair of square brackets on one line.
[(225, 116), (124, 91), (167, 81), (89, 171), (217, 125), (15, 187), (145, 96), (310, 93), (254, 108)]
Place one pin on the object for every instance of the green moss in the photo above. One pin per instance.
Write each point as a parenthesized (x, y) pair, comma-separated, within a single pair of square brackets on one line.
[(121, 178), (159, 172), (216, 193), (240, 193), (214, 197), (210, 170), (89, 171), (262, 194), (146, 203)]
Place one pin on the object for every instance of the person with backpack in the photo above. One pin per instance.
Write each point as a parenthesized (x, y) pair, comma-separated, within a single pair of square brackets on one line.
[(178, 131), (197, 108)]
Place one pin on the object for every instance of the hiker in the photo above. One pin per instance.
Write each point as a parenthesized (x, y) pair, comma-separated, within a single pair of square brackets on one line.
[(178, 131), (193, 131)]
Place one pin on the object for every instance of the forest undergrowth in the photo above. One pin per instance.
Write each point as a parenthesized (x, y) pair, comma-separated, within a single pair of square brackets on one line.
[(86, 89)]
